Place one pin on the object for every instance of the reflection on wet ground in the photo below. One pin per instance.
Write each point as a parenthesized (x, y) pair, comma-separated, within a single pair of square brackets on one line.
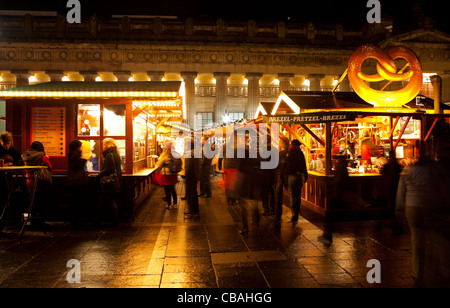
[(164, 249)]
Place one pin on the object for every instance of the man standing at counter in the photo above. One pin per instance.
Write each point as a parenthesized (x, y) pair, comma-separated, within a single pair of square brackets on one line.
[(368, 150)]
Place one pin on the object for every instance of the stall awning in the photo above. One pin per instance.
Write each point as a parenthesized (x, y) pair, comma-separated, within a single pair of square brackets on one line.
[(83, 89), (264, 108), (321, 100), (423, 102)]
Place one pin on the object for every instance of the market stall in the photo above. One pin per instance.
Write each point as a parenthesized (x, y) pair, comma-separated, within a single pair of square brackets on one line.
[(56, 113), (340, 128)]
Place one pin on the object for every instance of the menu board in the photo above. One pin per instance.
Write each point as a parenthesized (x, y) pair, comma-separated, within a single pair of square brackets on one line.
[(48, 125)]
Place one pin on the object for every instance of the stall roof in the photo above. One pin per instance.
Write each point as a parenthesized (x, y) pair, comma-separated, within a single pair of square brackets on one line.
[(423, 102), (155, 89), (327, 100)]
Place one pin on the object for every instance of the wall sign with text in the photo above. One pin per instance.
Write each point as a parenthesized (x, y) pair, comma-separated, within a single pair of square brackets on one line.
[(48, 125)]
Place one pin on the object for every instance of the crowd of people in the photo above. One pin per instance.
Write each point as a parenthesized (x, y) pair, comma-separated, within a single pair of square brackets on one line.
[(78, 184), (419, 193)]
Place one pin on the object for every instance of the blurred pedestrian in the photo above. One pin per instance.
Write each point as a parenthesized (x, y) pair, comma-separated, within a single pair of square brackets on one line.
[(168, 179), (35, 156), (243, 182), (437, 216), (415, 189), (296, 176), (230, 168), (390, 174), (267, 181), (280, 178), (111, 164), (192, 176), (77, 184), (205, 170)]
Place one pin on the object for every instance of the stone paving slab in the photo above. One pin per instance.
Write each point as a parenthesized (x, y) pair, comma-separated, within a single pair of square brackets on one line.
[(164, 249)]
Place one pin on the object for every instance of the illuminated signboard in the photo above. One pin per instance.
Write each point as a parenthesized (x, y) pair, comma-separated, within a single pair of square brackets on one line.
[(386, 70), (48, 126)]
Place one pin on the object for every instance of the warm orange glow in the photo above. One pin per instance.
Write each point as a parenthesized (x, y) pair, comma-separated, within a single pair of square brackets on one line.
[(91, 94), (260, 110), (387, 70), (283, 97)]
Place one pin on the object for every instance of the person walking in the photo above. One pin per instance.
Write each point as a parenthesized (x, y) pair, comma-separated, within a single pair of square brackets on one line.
[(77, 184), (205, 170), (168, 179), (390, 174), (414, 191), (297, 175), (267, 182), (279, 177), (111, 164), (192, 176)]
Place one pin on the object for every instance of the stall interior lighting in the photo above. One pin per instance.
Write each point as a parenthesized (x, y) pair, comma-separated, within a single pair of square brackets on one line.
[(175, 103), (283, 97), (169, 115), (87, 94)]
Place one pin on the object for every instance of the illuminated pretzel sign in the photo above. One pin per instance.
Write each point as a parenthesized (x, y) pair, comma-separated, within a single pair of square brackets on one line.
[(387, 70)]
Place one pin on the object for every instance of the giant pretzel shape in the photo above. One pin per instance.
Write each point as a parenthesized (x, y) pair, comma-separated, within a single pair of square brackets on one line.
[(387, 70)]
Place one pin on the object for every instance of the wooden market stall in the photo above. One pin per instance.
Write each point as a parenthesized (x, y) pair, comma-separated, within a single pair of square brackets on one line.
[(56, 113), (334, 125)]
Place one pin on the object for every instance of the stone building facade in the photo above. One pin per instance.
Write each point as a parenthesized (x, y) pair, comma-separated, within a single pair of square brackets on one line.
[(228, 67)]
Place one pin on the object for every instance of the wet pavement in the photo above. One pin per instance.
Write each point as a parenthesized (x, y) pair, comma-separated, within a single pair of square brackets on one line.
[(164, 249)]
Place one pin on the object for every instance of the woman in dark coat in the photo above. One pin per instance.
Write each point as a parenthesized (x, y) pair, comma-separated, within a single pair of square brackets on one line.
[(111, 163)]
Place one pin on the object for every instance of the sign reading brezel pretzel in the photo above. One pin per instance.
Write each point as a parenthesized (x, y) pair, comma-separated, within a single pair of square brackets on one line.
[(310, 118)]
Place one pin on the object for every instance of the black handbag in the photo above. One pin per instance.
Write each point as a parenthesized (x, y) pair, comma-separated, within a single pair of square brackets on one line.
[(110, 183)]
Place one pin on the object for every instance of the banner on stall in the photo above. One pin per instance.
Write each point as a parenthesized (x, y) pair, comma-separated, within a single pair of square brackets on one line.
[(312, 118)]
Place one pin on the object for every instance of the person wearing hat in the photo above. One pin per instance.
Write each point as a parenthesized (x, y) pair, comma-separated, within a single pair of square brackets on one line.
[(296, 176)]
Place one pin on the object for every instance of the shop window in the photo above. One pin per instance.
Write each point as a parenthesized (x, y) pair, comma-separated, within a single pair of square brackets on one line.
[(139, 136), (89, 128), (88, 120), (92, 164), (121, 147), (114, 120)]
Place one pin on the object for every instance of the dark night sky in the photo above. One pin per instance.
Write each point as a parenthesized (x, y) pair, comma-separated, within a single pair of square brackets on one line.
[(320, 11)]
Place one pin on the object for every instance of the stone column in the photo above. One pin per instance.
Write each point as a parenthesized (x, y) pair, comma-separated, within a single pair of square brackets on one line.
[(445, 98), (155, 76), (254, 95), (189, 83), (285, 81), (123, 75), (21, 78), (314, 81), (89, 75), (221, 95), (55, 75)]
